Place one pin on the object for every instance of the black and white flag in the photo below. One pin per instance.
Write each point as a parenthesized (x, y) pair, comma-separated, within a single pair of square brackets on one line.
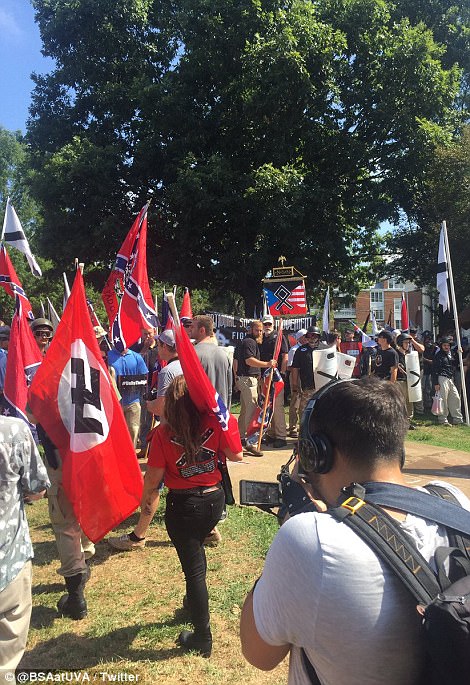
[(442, 273), (14, 235)]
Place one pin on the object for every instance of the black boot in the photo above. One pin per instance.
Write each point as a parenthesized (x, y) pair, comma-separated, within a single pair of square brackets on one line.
[(73, 605), (200, 641)]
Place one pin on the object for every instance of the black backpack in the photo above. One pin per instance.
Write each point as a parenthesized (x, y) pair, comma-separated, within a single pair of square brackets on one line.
[(443, 599)]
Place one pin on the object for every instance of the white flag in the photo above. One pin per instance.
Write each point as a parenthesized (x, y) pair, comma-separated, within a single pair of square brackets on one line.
[(14, 235), (326, 312), (54, 318), (66, 291), (442, 273), (373, 320)]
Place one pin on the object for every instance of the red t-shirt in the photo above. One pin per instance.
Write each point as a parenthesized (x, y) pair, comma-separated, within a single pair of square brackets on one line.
[(354, 349), (166, 453)]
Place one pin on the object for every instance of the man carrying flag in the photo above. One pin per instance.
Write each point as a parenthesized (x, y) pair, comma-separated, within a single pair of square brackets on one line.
[(96, 477), (274, 346), (135, 309)]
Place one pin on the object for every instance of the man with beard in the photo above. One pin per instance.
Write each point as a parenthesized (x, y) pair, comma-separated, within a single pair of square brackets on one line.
[(249, 365), (302, 380), (277, 431)]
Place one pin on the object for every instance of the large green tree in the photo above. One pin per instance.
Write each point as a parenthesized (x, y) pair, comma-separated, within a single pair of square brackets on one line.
[(445, 196), (263, 127)]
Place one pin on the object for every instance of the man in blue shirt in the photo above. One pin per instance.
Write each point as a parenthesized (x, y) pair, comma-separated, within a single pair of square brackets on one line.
[(131, 377)]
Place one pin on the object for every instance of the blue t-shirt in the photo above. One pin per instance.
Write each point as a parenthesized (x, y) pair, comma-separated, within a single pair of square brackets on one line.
[(3, 367), (128, 364)]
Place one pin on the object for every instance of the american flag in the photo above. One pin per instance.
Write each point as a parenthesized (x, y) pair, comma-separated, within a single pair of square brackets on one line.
[(286, 297)]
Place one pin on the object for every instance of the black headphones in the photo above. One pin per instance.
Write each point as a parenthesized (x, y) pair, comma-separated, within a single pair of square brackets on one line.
[(315, 449)]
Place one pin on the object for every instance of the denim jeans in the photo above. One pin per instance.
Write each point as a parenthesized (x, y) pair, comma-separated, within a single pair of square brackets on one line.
[(189, 519)]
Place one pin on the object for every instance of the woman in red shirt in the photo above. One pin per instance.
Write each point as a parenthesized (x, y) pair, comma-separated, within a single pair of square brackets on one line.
[(184, 451)]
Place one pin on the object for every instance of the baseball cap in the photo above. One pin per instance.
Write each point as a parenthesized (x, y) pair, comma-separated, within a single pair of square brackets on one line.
[(300, 333), (267, 319), (167, 338)]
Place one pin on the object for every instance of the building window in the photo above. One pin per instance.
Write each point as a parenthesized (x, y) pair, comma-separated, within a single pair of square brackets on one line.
[(395, 284), (397, 312), (376, 297), (377, 304)]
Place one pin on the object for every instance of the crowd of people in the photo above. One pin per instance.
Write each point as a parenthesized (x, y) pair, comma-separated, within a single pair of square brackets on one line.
[(185, 451)]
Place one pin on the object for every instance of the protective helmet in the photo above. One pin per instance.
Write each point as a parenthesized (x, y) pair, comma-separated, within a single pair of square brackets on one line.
[(313, 329), (445, 339), (402, 337), (41, 323)]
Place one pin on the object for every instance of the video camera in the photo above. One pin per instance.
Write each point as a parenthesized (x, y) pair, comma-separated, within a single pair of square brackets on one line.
[(286, 495)]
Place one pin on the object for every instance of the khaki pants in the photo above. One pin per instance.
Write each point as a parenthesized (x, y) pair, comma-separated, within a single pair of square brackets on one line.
[(248, 387), (15, 614), (132, 416), (278, 428), (403, 385), (72, 544), (451, 397), (305, 395)]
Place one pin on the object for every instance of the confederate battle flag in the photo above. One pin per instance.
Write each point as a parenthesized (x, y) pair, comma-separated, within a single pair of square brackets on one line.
[(134, 310), (23, 360), (72, 398)]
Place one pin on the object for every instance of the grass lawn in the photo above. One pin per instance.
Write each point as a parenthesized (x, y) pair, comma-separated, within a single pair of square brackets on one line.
[(134, 606), (135, 598), (428, 431)]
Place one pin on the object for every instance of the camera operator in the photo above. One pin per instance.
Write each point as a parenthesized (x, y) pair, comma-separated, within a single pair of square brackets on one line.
[(324, 596)]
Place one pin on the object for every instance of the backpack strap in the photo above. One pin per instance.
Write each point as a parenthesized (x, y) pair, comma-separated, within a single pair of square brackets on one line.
[(442, 511), (456, 539), (385, 537)]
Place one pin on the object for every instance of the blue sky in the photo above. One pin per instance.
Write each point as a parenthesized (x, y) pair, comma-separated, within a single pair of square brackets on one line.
[(20, 54)]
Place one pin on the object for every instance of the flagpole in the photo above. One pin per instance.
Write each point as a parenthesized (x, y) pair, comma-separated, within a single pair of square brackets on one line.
[(265, 408), (457, 325), (170, 297)]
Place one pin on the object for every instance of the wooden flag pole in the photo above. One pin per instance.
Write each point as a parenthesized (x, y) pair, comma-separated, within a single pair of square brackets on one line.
[(265, 408), (457, 325)]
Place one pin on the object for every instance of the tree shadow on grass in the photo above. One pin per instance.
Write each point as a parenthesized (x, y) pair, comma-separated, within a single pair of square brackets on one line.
[(78, 652)]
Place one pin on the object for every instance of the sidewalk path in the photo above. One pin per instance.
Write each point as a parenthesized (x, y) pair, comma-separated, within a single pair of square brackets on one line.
[(423, 464)]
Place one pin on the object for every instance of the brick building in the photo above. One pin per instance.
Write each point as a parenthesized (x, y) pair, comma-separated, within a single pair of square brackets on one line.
[(384, 299)]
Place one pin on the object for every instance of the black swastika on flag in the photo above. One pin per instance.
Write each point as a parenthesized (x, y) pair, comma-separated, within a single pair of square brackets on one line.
[(81, 396)]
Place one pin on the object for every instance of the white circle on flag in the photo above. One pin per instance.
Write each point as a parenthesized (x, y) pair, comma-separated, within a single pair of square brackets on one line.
[(93, 407)]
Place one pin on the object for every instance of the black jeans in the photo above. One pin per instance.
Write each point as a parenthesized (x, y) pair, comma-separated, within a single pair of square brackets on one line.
[(189, 519)]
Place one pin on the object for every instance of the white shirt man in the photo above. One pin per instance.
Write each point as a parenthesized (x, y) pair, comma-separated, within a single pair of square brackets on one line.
[(322, 588)]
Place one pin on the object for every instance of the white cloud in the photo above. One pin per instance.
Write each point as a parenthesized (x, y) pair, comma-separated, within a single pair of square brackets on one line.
[(9, 26)]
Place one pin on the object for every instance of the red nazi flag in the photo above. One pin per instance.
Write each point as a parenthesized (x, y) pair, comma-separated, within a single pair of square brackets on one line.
[(72, 398)]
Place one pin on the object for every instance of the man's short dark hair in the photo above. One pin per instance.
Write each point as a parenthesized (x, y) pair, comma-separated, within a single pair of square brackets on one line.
[(204, 321), (365, 419), (387, 335)]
